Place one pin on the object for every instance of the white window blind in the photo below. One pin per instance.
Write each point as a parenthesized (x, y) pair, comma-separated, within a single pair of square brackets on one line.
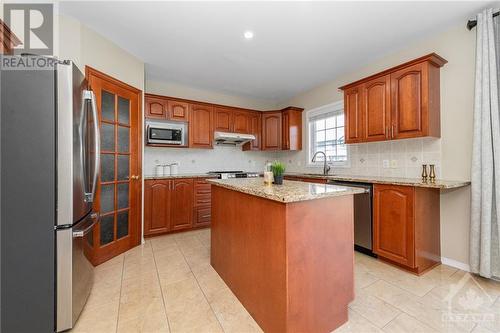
[(326, 134)]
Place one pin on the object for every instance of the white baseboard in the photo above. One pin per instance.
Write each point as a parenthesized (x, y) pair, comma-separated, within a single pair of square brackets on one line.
[(455, 263)]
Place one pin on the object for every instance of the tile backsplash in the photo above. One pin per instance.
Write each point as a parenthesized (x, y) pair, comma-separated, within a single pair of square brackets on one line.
[(204, 160), (404, 158)]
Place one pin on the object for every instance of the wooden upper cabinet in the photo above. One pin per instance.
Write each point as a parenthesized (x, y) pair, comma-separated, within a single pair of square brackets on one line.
[(271, 130), (241, 122), (156, 108), (393, 223), (182, 200), (353, 115), (255, 120), (178, 110), (156, 206), (376, 108), (291, 138), (200, 126), (410, 97), (398, 103), (285, 135), (223, 119)]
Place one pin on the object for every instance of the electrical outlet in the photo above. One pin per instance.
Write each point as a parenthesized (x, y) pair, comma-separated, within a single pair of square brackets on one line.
[(385, 164), (394, 164)]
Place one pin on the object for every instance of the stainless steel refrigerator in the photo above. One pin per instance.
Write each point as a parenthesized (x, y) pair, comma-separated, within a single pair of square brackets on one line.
[(49, 172)]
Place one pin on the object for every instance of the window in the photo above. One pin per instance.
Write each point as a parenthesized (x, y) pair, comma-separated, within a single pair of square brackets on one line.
[(326, 134)]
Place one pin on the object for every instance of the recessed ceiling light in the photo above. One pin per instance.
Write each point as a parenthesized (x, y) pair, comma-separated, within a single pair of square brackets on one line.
[(248, 34)]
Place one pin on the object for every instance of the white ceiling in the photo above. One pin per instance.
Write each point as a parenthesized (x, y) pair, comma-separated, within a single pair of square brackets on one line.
[(297, 45)]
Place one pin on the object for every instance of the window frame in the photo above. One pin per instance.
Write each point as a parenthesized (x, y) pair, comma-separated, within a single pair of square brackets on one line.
[(335, 107)]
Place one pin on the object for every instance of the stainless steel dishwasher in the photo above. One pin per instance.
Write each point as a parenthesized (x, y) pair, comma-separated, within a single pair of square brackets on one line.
[(363, 225)]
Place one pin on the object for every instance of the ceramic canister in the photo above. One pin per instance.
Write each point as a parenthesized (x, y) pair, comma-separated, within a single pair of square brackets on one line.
[(159, 170)]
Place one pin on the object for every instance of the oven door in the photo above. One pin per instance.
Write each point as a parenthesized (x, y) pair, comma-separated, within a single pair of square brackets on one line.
[(170, 136)]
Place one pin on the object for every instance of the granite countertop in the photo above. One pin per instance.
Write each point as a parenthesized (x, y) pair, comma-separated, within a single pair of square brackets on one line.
[(417, 182), (180, 175), (290, 191)]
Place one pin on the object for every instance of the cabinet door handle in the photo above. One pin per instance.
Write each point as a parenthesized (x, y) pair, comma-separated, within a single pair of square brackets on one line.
[(392, 131)]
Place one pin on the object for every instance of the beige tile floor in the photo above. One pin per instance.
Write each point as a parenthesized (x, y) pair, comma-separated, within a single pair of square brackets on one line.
[(167, 284)]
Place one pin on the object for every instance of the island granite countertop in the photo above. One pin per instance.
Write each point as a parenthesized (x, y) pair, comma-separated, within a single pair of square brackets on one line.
[(417, 182), (290, 191)]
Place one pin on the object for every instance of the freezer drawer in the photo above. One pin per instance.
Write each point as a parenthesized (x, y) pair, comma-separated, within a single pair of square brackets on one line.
[(75, 273)]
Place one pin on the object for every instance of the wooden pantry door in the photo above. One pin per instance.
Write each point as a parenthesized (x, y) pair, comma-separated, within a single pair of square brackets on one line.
[(118, 197)]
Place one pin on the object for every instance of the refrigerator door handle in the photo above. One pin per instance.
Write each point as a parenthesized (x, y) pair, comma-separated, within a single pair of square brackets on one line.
[(88, 227), (89, 95)]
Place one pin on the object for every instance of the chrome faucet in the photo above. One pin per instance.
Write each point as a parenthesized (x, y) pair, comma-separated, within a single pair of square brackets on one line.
[(326, 167)]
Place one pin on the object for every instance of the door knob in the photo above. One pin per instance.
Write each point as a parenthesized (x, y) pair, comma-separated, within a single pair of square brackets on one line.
[(134, 177)]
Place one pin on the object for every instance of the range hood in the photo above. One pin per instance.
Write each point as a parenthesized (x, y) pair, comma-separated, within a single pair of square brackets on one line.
[(233, 139)]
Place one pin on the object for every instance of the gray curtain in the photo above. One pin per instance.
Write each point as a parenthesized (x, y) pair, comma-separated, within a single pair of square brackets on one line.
[(485, 174)]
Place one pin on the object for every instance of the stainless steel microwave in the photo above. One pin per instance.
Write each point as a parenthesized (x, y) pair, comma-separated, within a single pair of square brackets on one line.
[(169, 133)]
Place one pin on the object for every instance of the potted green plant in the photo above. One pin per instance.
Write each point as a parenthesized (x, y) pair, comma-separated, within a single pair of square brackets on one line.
[(278, 169)]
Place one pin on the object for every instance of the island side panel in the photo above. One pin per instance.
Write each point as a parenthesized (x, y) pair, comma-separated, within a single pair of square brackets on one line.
[(248, 252), (320, 263)]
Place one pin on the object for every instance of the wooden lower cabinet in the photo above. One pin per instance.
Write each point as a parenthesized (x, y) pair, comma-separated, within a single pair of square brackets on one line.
[(181, 204), (176, 204), (406, 228), (157, 205), (202, 203), (394, 224)]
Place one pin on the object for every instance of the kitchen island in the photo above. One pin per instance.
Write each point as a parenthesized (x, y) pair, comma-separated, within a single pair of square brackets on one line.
[(286, 251)]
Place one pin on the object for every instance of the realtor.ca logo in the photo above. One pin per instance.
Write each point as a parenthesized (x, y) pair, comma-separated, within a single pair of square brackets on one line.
[(469, 302), (33, 25)]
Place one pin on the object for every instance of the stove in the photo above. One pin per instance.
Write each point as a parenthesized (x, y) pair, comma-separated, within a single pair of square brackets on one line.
[(233, 174)]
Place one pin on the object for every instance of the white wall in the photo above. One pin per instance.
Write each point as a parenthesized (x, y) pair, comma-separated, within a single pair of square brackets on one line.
[(452, 152), (177, 90), (74, 41), (86, 47)]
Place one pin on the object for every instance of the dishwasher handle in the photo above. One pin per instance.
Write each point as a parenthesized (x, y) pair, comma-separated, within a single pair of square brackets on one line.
[(366, 186)]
